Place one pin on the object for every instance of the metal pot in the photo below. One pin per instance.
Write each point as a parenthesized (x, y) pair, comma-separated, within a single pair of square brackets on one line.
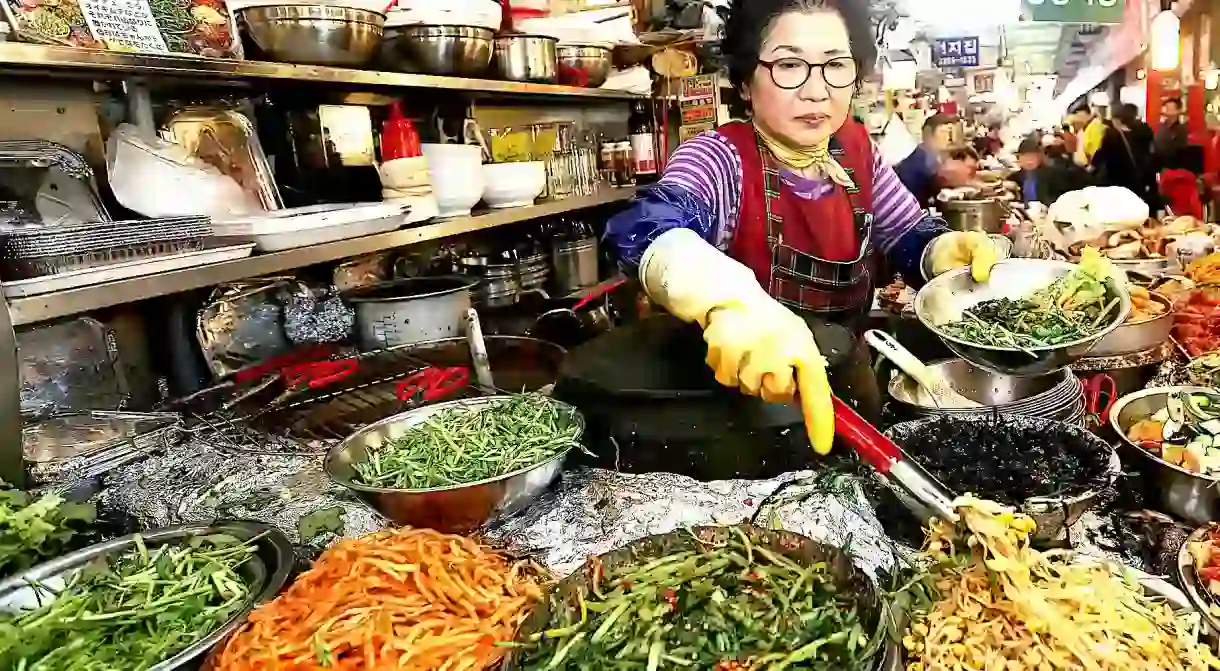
[(526, 58), (575, 265), (447, 51), (586, 66), (1191, 496), (1139, 336), (984, 215), (407, 312), (314, 34)]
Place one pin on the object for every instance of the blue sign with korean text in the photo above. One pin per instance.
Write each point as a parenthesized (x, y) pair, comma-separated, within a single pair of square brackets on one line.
[(958, 52)]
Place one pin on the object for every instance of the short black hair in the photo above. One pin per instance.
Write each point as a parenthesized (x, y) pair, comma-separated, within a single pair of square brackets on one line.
[(1175, 100), (964, 154), (936, 121), (1127, 113), (1030, 145), (749, 20)]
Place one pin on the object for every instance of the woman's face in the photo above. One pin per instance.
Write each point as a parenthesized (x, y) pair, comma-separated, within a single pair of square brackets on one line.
[(809, 114)]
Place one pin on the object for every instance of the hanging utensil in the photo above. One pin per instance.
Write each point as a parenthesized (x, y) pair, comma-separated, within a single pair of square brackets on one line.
[(942, 393), (891, 464), (478, 350)]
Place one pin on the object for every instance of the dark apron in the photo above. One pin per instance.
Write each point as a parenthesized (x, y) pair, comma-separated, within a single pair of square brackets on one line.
[(834, 322)]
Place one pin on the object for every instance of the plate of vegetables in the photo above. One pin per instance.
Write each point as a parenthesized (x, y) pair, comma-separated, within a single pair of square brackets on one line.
[(1184, 431), (1031, 317), (150, 602), (1199, 572), (710, 598)]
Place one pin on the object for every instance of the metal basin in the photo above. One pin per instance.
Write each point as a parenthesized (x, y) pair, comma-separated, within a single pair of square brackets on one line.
[(874, 611), (1196, 592), (266, 574), (1191, 496), (1053, 514), (1015, 279), (457, 509), (1138, 336), (586, 66), (447, 51), (1004, 394), (526, 58), (314, 34), (981, 216)]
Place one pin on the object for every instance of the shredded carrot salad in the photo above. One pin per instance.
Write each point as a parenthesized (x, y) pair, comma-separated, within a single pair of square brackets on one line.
[(408, 599)]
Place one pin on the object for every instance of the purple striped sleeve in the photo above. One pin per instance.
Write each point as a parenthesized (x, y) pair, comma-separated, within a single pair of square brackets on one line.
[(895, 210), (708, 166)]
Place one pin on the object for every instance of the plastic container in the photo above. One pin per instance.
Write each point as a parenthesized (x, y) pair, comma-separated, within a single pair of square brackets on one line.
[(399, 138)]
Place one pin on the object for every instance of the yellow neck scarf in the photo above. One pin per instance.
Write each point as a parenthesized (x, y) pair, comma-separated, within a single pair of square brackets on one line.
[(804, 158)]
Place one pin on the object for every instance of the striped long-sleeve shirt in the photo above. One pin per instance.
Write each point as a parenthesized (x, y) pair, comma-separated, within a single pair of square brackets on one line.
[(701, 189)]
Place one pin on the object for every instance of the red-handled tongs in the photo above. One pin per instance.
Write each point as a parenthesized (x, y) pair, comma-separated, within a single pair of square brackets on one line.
[(891, 464)]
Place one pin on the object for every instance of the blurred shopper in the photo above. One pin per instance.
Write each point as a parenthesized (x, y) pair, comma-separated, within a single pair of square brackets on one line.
[(1090, 130), (1171, 136), (930, 167), (1125, 157), (1042, 180)]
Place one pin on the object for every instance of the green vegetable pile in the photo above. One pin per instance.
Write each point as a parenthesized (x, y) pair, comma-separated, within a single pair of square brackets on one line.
[(33, 530), (738, 606), (1073, 308), (134, 612), (458, 446)]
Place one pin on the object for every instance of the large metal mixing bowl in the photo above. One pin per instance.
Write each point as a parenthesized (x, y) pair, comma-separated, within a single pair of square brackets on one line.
[(1191, 496), (1051, 396), (314, 34), (1139, 336), (456, 509), (1196, 590), (956, 291), (1053, 514), (875, 611), (447, 51), (587, 66)]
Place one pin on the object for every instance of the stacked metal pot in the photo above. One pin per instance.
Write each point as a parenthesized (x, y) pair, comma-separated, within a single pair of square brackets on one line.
[(1058, 396)]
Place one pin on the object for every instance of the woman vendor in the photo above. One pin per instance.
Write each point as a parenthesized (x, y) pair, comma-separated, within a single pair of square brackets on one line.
[(759, 226)]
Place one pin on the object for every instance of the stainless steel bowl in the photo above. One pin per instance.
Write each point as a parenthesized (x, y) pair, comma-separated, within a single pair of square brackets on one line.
[(446, 51), (457, 509), (1138, 336), (314, 34), (1153, 267), (266, 574), (1054, 396), (1196, 592), (1053, 514), (956, 291), (984, 215), (875, 612), (1191, 496), (586, 66), (1003, 250), (526, 58)]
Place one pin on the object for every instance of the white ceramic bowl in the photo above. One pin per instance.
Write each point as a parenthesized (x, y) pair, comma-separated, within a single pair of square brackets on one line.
[(456, 171), (513, 184)]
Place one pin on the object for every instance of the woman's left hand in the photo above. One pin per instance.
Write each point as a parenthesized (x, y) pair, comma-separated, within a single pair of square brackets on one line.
[(958, 249)]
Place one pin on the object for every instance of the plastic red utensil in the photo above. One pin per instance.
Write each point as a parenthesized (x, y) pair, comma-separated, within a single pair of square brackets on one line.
[(434, 384), (399, 138), (318, 375)]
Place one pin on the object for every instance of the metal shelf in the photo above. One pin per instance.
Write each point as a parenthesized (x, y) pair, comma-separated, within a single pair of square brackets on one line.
[(34, 309), (40, 59)]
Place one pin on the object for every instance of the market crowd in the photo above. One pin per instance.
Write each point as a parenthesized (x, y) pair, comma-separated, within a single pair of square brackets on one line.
[(1089, 149)]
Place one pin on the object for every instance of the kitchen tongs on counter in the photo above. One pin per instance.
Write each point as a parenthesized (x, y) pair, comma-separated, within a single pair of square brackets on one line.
[(891, 464)]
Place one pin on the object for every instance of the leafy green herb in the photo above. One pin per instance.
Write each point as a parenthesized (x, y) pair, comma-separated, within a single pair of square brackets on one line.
[(133, 612), (734, 607), (33, 530), (457, 446)]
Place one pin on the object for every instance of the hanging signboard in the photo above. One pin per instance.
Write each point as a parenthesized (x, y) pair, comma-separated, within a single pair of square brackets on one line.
[(699, 101), (1073, 11), (958, 52)]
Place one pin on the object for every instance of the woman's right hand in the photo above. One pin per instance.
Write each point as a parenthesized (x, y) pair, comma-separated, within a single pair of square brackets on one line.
[(765, 350)]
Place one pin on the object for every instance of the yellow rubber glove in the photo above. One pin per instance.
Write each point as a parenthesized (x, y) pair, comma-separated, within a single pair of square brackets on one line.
[(957, 250), (754, 343)]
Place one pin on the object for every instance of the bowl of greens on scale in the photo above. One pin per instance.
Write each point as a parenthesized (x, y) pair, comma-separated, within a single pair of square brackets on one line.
[(1031, 318)]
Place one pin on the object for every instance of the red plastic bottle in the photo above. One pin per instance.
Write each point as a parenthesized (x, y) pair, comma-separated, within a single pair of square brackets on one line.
[(399, 139)]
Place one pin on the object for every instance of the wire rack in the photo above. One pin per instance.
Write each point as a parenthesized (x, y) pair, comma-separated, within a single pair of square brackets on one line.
[(311, 422)]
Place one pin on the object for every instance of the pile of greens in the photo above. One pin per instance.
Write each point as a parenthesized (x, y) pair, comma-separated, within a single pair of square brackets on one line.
[(735, 606), (33, 530), (133, 612), (1073, 308), (459, 446)]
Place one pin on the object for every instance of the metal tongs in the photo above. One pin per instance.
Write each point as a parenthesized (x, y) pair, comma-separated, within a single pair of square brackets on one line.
[(891, 464)]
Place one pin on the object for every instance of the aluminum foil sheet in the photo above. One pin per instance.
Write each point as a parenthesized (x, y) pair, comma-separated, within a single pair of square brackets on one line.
[(593, 511), (195, 482), (309, 319)]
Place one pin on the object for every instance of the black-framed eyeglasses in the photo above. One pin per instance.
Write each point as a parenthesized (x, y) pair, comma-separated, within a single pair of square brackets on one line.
[(792, 73)]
